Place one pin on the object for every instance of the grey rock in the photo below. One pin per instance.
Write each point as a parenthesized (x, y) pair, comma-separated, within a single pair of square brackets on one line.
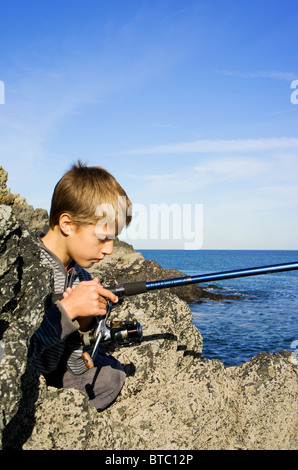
[(35, 219), (173, 398), (24, 292)]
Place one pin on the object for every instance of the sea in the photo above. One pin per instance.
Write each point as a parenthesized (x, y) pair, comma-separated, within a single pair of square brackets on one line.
[(265, 319)]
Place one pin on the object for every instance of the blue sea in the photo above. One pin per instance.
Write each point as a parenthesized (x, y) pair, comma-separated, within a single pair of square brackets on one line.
[(264, 320)]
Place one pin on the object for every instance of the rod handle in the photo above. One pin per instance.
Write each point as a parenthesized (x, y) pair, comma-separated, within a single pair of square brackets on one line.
[(87, 360)]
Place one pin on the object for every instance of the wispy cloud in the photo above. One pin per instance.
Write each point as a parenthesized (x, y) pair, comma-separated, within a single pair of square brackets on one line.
[(220, 146), (276, 75), (228, 172)]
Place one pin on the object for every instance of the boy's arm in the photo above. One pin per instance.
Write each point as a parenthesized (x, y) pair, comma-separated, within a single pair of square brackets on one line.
[(75, 311), (46, 345)]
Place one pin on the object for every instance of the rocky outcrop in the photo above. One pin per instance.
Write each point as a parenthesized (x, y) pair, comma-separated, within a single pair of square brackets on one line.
[(173, 398), (35, 219), (24, 288)]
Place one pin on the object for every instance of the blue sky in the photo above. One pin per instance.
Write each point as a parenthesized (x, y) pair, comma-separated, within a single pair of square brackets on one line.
[(185, 102)]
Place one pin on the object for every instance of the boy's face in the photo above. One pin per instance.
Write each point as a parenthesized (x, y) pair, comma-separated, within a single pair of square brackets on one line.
[(87, 246)]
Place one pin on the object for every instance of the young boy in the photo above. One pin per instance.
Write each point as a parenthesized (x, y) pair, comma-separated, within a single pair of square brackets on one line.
[(89, 208)]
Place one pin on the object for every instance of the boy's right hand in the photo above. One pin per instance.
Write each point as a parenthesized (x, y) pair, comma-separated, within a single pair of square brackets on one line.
[(88, 299)]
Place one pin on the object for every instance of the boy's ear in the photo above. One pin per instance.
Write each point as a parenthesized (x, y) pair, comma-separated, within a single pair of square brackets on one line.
[(66, 224)]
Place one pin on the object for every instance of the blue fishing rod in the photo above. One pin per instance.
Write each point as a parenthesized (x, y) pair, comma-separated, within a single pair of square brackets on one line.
[(141, 287), (124, 333)]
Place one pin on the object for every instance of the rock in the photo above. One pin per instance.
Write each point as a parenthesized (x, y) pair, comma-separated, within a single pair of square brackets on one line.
[(36, 220), (24, 291), (173, 398)]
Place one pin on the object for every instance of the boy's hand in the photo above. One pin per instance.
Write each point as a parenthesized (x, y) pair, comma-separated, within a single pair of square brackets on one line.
[(68, 292), (88, 299)]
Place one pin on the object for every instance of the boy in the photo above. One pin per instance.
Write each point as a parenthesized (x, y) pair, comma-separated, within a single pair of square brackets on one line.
[(89, 208)]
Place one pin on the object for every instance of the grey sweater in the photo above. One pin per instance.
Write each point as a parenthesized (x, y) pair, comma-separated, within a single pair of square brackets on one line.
[(57, 341)]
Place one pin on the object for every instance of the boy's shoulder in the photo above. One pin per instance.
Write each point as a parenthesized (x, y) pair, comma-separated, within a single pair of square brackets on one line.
[(48, 258)]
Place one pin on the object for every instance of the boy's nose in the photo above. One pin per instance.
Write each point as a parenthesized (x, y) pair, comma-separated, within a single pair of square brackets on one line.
[(108, 247)]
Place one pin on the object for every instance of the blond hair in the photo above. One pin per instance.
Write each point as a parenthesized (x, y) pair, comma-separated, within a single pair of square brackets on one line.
[(88, 195)]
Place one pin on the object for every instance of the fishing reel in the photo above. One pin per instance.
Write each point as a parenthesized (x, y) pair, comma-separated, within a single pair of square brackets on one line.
[(120, 333)]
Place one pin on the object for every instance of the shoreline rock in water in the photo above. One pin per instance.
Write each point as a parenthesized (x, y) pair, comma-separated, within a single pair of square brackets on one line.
[(173, 398)]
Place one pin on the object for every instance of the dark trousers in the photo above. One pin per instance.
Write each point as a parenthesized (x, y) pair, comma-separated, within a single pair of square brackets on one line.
[(102, 384)]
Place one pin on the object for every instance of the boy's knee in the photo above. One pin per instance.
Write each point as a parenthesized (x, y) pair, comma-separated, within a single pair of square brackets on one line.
[(107, 387), (119, 379)]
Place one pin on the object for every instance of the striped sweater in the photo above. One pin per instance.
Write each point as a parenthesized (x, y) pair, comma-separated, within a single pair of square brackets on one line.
[(57, 341)]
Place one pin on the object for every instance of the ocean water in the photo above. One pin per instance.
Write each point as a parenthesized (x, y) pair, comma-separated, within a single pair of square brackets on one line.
[(264, 320)]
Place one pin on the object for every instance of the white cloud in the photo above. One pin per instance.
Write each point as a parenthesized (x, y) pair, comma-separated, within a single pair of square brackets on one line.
[(230, 168), (240, 191), (276, 75), (219, 146)]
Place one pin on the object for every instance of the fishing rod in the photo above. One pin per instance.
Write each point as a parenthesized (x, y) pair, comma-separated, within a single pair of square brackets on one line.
[(141, 287), (128, 332)]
